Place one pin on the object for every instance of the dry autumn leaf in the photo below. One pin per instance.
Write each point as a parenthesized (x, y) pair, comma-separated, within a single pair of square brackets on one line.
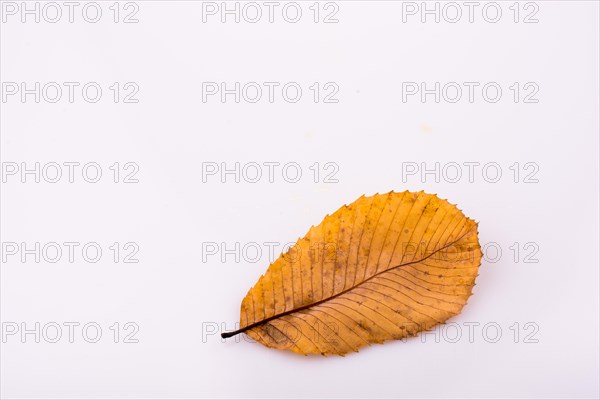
[(384, 267)]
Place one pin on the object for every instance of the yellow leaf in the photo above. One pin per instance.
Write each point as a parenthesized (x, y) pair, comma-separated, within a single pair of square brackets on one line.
[(384, 267)]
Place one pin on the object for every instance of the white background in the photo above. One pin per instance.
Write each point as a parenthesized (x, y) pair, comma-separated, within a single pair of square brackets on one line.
[(177, 295)]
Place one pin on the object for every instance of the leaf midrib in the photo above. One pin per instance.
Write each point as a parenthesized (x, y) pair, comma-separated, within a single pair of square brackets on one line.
[(283, 314)]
